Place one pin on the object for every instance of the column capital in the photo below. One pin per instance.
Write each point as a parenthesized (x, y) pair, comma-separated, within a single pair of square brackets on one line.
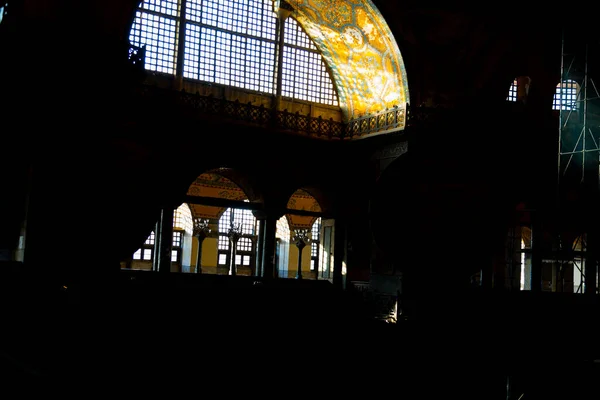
[(235, 232), (201, 228)]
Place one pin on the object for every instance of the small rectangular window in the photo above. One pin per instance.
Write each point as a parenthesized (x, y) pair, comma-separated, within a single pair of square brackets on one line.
[(147, 254)]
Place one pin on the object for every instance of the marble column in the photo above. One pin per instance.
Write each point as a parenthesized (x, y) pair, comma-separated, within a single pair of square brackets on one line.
[(268, 261), (165, 243)]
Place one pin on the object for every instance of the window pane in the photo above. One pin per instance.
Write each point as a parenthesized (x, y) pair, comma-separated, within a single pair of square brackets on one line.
[(512, 92), (244, 244), (147, 254), (157, 33), (177, 238), (150, 240), (565, 97), (223, 242)]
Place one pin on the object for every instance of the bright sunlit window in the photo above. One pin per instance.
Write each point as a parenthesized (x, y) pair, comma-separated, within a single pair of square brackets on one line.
[(248, 224), (314, 244), (3, 10), (231, 43), (512, 92), (565, 97), (145, 252)]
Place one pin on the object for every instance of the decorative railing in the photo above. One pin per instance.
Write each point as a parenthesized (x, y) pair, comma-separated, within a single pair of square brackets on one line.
[(390, 120), (282, 121), (425, 115), (382, 122)]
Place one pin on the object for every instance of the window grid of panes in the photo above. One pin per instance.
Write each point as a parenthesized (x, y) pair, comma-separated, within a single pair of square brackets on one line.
[(244, 218), (314, 244), (156, 28), (565, 97), (177, 244), (145, 252), (305, 75), (244, 251), (244, 244), (223, 249), (177, 238), (512, 92), (233, 43), (223, 243), (182, 218), (220, 47)]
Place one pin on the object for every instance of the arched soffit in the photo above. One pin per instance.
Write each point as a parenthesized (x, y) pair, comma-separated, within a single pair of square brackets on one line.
[(247, 185), (213, 184), (357, 44), (304, 201)]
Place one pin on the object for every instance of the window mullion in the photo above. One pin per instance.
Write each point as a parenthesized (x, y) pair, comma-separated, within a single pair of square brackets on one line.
[(180, 59)]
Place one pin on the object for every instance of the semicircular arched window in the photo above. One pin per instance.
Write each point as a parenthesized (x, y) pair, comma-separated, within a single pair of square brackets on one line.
[(566, 95), (231, 43)]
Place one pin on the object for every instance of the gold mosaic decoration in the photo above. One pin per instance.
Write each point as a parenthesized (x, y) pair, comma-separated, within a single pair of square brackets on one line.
[(302, 200), (213, 185), (358, 45), (209, 184)]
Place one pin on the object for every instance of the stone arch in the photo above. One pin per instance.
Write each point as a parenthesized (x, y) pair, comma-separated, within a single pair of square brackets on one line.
[(304, 201), (221, 183)]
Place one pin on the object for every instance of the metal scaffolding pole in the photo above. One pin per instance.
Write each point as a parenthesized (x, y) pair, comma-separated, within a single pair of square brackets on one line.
[(578, 150)]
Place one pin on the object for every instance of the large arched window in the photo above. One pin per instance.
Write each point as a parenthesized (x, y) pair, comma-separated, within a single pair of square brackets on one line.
[(231, 43), (183, 226), (245, 251)]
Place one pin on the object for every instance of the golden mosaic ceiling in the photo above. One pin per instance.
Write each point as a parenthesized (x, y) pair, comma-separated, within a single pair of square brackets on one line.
[(358, 45)]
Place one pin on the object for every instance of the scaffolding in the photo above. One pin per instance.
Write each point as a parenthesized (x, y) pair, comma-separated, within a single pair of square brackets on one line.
[(577, 101)]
